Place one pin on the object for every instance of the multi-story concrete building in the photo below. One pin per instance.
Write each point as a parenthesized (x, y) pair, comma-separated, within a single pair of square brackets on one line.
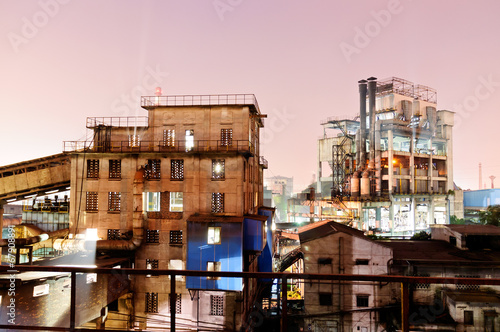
[(395, 165), (180, 188)]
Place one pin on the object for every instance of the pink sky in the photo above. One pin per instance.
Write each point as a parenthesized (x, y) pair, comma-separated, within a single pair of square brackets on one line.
[(63, 61)]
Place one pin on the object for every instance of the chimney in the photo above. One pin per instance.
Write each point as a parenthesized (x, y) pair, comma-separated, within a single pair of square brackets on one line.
[(362, 127), (372, 90)]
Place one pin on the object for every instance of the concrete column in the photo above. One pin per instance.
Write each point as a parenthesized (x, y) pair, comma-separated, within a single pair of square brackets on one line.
[(413, 214), (390, 153), (429, 171), (430, 213), (412, 165), (449, 158)]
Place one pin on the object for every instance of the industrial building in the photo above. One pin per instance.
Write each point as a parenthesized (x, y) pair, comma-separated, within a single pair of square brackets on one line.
[(391, 166), (179, 189)]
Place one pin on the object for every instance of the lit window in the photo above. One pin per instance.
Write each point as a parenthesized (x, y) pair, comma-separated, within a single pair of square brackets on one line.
[(176, 202), (218, 169), (152, 236), (92, 200), (133, 141), (213, 266), (114, 201), (153, 169), (189, 139), (176, 237), (178, 303), (217, 305), (169, 137), (114, 234), (217, 202), (151, 302), (115, 169), (176, 264), (152, 202), (91, 278), (226, 137), (152, 264), (214, 235), (40, 290), (92, 169), (177, 169)]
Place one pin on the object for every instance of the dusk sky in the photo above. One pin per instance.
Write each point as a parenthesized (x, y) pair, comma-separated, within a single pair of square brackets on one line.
[(63, 61)]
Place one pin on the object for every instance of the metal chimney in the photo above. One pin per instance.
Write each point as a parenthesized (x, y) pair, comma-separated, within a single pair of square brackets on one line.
[(372, 90), (362, 120)]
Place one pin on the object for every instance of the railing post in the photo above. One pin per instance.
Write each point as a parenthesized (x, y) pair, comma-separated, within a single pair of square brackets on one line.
[(173, 298), (72, 315), (284, 308), (405, 306)]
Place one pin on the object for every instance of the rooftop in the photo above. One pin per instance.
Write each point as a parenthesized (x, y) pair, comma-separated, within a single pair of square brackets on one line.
[(475, 229)]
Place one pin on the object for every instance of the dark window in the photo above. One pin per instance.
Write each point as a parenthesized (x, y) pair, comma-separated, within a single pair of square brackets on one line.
[(218, 169), (325, 299), (92, 169), (324, 261), (115, 169), (453, 240), (152, 236), (226, 137), (175, 237), (178, 303), (92, 201), (152, 264), (152, 171), (114, 201), (213, 266), (217, 202), (468, 317), (177, 169), (113, 234), (152, 302), (467, 286), (217, 305), (362, 300), (362, 261)]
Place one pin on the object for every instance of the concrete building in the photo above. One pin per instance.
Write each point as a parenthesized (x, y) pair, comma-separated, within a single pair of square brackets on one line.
[(179, 188), (393, 163)]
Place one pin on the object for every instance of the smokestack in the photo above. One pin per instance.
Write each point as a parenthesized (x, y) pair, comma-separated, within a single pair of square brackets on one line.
[(362, 127), (372, 90)]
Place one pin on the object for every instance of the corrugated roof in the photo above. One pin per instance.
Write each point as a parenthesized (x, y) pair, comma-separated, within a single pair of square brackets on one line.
[(326, 227), (474, 297)]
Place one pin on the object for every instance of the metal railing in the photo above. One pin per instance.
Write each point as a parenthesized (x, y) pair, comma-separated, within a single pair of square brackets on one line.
[(200, 100), (129, 121), (178, 146), (123, 274)]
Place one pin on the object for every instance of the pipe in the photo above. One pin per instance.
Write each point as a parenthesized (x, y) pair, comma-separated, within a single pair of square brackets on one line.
[(372, 90), (355, 184), (35, 239), (365, 184), (362, 125), (378, 161)]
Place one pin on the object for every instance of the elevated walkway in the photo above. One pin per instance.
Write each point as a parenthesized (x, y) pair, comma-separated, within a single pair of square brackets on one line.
[(36, 176)]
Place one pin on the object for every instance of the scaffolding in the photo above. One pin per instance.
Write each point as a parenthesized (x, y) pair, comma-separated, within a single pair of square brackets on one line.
[(406, 88)]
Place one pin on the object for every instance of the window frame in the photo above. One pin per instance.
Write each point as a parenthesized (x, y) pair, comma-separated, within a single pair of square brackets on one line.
[(177, 171), (91, 200), (216, 238), (221, 173), (114, 201)]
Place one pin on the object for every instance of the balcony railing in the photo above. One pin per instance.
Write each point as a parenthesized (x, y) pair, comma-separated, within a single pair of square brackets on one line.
[(179, 146), (128, 121), (200, 100)]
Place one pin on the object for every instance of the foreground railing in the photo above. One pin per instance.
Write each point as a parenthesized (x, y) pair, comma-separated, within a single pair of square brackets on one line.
[(200, 100), (404, 281)]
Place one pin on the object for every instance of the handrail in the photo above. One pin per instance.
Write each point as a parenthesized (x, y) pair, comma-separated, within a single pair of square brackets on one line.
[(200, 100)]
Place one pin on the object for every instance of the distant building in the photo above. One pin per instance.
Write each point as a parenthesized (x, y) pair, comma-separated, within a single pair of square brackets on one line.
[(479, 200), (393, 163), (281, 188)]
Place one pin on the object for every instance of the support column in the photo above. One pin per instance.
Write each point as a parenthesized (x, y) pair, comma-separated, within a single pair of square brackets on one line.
[(390, 153), (412, 165), (413, 214), (405, 307), (284, 306)]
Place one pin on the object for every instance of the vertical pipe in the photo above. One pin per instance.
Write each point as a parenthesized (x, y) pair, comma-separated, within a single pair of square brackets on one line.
[(173, 298), (283, 304), (405, 307), (372, 90), (1, 216), (72, 317), (362, 123)]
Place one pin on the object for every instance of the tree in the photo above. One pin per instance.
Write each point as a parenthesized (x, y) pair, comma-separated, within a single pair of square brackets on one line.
[(491, 216), (421, 236)]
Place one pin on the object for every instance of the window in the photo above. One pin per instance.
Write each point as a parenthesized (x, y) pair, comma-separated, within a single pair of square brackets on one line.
[(151, 302), (217, 202), (217, 305), (151, 201), (153, 168), (92, 169), (176, 202), (213, 266), (214, 235), (92, 201), (218, 169), (226, 137), (324, 261), (114, 201), (468, 317), (362, 300), (133, 141), (325, 299), (175, 237), (115, 169), (176, 264), (466, 286), (152, 236), (178, 303), (169, 137), (152, 264), (362, 261), (114, 234), (189, 140), (177, 169)]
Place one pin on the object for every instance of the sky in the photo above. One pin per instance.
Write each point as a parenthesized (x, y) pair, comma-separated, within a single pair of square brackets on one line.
[(62, 61)]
